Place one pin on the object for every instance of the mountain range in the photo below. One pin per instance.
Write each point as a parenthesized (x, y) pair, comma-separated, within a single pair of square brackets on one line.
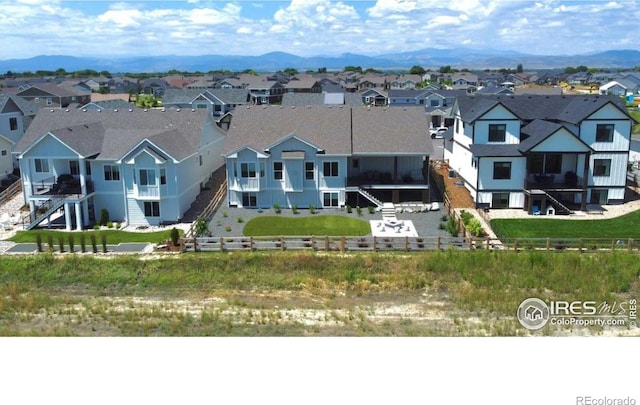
[(429, 58)]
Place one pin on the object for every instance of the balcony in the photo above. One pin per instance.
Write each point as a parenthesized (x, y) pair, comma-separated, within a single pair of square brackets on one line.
[(376, 178), (557, 182), (63, 185)]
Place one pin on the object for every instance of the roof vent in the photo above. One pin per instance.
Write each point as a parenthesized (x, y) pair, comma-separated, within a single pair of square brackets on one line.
[(193, 110), (100, 110), (51, 110), (67, 110), (177, 110), (130, 109), (145, 110), (115, 110), (84, 109)]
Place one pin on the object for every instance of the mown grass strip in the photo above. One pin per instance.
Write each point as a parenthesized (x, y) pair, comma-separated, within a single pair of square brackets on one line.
[(625, 226), (329, 225)]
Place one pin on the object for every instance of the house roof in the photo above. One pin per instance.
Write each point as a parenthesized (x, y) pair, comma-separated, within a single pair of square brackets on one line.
[(26, 107), (566, 108), (339, 130), (391, 131), (539, 130), (112, 134), (304, 99)]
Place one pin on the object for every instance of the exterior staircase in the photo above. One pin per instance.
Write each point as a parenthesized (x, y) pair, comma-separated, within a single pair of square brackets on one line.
[(42, 211), (561, 209), (370, 197)]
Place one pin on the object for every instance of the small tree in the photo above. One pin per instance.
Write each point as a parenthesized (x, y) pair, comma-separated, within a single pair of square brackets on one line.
[(72, 242), (39, 242), (175, 236), (201, 228), (61, 242), (83, 242), (104, 217), (452, 227), (50, 242)]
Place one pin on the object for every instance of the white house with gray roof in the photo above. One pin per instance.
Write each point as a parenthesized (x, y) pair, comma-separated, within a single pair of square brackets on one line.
[(326, 156), (537, 152), (145, 167)]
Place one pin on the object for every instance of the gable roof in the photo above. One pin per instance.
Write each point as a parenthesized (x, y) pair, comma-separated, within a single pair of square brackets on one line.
[(23, 105), (111, 134), (540, 130)]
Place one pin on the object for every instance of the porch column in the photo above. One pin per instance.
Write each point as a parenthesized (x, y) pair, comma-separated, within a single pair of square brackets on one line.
[(79, 216), (395, 169), (85, 212), (67, 216), (585, 181), (83, 176)]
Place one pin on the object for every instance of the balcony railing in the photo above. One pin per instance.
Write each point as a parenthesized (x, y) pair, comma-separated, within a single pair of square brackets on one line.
[(553, 182), (60, 186)]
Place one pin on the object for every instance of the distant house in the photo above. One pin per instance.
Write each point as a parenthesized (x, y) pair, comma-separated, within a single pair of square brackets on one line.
[(53, 96), (145, 167), (620, 87), (374, 97), (325, 98), (15, 116), (404, 82), (217, 101), (407, 97), (304, 84), (541, 151), (154, 86), (326, 156)]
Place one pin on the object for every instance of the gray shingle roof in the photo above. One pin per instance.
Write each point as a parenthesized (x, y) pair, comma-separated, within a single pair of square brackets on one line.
[(26, 107), (177, 133), (340, 130), (538, 131)]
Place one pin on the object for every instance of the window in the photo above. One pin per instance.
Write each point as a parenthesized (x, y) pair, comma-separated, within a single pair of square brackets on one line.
[(497, 132), (163, 176), (4, 152), (500, 200), (553, 163), (147, 177), (277, 170), (434, 102), (599, 196), (501, 170), (247, 170), (262, 168), (13, 123), (330, 199), (604, 133), (355, 163), (87, 166), (49, 102), (151, 209), (309, 169), (602, 167), (330, 169), (42, 166), (249, 200), (111, 173), (36, 100), (74, 167)]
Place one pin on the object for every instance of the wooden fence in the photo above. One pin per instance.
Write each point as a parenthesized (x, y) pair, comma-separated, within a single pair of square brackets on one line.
[(11, 191), (406, 244), (210, 209)]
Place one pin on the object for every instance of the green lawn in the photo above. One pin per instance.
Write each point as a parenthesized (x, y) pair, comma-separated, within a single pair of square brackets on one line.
[(329, 225), (626, 226), (113, 236), (636, 115)]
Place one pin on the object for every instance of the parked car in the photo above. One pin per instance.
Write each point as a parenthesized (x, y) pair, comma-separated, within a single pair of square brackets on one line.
[(438, 132)]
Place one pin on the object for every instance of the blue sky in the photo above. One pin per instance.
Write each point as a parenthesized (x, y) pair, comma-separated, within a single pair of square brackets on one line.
[(312, 27)]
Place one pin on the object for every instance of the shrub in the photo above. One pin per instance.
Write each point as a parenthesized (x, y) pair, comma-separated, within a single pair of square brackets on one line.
[(72, 242), (110, 225), (294, 208), (96, 227), (227, 228), (349, 210), (475, 227), (443, 225), (359, 210), (372, 209), (118, 225), (39, 242), (276, 208), (50, 242), (466, 217), (103, 239), (61, 242), (104, 217), (225, 214), (240, 220), (94, 244), (83, 242), (202, 229), (312, 209), (175, 236), (452, 227)]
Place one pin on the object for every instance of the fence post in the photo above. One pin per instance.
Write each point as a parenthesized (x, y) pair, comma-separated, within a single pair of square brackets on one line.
[(374, 243), (195, 244), (470, 243), (581, 244), (221, 244), (613, 245), (406, 243), (251, 243), (548, 244), (515, 244), (629, 242), (281, 244), (313, 244), (438, 243), (342, 243), (326, 243), (488, 243)]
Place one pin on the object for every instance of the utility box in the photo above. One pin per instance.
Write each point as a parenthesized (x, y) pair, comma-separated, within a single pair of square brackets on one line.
[(551, 210)]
